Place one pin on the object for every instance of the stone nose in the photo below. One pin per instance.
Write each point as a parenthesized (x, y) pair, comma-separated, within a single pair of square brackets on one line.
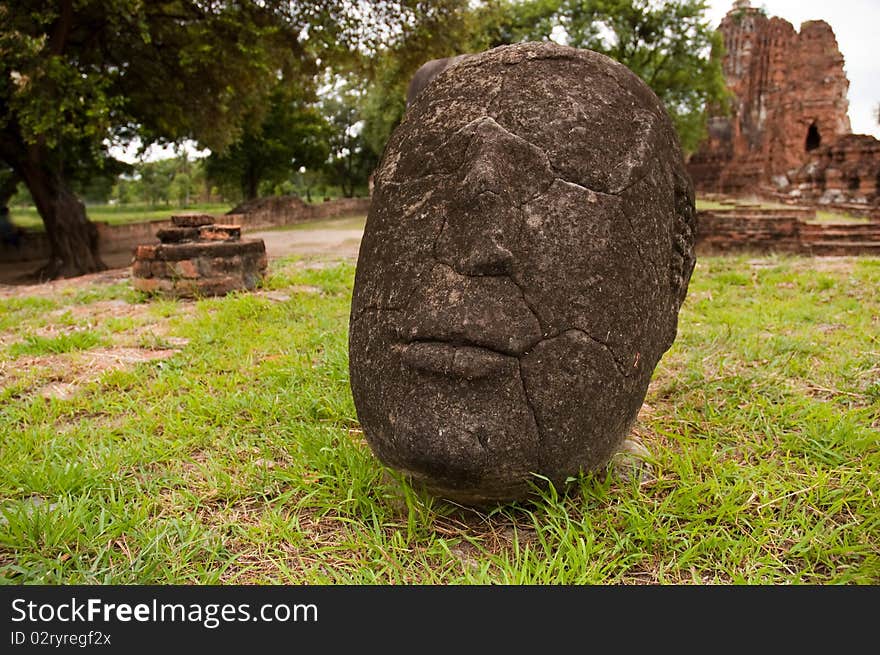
[(486, 172), (486, 256), (478, 236), (482, 217)]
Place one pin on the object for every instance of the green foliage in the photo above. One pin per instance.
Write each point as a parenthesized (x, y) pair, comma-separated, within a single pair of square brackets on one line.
[(351, 160), (116, 66), (293, 135), (63, 343), (670, 45), (432, 30), (177, 180), (76, 76)]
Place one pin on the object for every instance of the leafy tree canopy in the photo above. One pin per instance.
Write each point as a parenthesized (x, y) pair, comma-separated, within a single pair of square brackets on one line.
[(670, 45), (75, 75), (292, 135)]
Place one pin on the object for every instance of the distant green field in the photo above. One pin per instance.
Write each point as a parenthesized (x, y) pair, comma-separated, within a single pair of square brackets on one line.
[(714, 204), (27, 217)]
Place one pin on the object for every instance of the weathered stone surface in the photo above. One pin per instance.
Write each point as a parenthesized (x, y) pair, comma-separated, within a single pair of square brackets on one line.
[(177, 234), (220, 232), (192, 220), (789, 97), (528, 248)]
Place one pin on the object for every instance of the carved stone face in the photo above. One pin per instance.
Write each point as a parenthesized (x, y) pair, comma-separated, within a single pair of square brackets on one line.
[(525, 257)]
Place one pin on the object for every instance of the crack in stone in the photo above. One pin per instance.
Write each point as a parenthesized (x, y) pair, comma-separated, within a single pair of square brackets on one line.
[(539, 432), (506, 276), (545, 336), (559, 175), (620, 368), (645, 261), (629, 186), (439, 236)]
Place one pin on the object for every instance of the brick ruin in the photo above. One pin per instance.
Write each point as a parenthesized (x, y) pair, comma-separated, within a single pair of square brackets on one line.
[(847, 170), (745, 227), (788, 130), (196, 257)]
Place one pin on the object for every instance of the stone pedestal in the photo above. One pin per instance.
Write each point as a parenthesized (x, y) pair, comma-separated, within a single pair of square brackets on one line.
[(197, 257)]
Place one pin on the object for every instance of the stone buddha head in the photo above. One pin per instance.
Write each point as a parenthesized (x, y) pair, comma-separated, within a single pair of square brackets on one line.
[(528, 247)]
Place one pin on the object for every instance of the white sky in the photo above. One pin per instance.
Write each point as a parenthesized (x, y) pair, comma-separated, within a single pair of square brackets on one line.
[(855, 23), (155, 152)]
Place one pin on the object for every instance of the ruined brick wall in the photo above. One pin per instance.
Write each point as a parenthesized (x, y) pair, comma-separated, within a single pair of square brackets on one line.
[(290, 210), (755, 229), (789, 93), (196, 257), (847, 170)]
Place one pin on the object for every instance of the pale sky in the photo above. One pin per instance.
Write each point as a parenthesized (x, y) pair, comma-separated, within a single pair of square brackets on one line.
[(855, 23)]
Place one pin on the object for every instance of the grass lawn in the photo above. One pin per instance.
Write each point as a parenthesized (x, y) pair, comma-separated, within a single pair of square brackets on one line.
[(216, 441), (714, 204), (27, 217)]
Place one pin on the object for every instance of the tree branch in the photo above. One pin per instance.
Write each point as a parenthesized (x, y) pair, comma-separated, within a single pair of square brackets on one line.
[(61, 28)]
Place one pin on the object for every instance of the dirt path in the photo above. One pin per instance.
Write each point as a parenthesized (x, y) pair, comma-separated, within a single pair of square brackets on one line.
[(339, 243), (337, 238)]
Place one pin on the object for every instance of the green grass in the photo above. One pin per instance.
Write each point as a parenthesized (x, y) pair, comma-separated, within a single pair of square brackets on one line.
[(237, 457), (703, 204), (832, 217), (27, 217), (63, 343)]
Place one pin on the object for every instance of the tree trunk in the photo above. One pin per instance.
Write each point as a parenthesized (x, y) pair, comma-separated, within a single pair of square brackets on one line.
[(8, 187), (73, 238), (251, 184)]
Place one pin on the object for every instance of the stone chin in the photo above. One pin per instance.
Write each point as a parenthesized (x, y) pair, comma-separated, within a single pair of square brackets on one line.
[(479, 426), (461, 425)]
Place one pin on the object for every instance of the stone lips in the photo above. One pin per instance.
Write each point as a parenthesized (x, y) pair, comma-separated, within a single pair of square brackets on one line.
[(527, 250)]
